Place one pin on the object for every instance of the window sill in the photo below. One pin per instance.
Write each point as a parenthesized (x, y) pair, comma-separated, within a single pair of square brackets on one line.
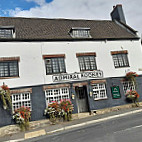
[(9, 77), (122, 67), (56, 73), (99, 99), (87, 70)]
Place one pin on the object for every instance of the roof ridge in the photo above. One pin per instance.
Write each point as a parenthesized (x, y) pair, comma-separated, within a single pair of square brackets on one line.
[(42, 18)]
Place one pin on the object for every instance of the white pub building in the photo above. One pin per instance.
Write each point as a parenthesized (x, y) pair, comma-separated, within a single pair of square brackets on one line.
[(45, 60)]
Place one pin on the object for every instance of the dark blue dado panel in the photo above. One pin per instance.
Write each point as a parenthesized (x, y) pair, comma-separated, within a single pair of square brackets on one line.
[(39, 104), (110, 102)]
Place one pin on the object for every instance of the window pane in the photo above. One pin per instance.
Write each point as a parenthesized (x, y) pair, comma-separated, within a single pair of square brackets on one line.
[(120, 60), (83, 33), (20, 99), (56, 94), (55, 65), (9, 69), (6, 33), (99, 91), (13, 69), (81, 63), (87, 63)]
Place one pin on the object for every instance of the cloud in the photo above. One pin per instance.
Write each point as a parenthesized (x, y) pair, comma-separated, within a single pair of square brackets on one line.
[(39, 2), (82, 9)]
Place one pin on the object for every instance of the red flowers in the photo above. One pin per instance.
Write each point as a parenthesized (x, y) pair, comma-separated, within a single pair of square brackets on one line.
[(24, 112), (130, 74), (4, 87), (66, 105)]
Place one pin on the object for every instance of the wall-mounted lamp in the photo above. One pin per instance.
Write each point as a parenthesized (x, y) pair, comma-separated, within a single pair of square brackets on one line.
[(91, 94), (73, 96)]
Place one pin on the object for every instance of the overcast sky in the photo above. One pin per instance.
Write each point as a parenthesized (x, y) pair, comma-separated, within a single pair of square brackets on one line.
[(81, 9)]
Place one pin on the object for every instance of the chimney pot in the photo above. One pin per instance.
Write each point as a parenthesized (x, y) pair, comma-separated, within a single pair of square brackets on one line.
[(117, 13)]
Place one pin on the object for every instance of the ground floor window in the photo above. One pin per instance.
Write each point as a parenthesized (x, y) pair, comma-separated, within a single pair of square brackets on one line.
[(99, 91), (21, 99), (56, 94), (128, 85)]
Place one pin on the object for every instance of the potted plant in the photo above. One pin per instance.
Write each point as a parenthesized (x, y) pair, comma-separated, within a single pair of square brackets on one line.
[(5, 96), (66, 108), (22, 117), (53, 111), (133, 96)]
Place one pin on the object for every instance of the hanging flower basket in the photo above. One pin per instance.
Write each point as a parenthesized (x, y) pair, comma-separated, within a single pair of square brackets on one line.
[(5, 96)]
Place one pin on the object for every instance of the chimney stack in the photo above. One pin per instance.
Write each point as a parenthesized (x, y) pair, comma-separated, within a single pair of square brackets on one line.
[(117, 14)]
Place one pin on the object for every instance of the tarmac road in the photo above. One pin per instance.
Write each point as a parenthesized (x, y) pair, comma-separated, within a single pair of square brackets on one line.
[(123, 129)]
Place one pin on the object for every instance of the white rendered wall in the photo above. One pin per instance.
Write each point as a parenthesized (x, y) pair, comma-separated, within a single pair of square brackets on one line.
[(32, 68)]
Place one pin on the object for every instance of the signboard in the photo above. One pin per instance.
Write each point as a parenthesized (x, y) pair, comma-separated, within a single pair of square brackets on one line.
[(77, 76), (115, 92)]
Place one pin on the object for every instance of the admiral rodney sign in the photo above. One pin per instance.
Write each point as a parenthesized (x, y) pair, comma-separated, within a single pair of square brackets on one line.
[(77, 76)]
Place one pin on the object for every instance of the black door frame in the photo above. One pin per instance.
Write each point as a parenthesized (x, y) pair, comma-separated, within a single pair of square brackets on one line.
[(84, 87)]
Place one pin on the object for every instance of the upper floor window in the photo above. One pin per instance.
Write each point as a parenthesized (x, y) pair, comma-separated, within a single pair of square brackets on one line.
[(54, 63), (80, 32), (120, 58), (9, 67), (7, 32), (87, 61)]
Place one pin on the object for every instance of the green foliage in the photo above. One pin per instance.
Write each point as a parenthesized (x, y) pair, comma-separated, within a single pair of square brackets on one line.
[(22, 117), (5, 96), (56, 110)]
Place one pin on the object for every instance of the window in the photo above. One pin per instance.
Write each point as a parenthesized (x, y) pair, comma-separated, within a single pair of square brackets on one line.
[(87, 61), (99, 91), (6, 32), (80, 32), (120, 59), (21, 99), (9, 67), (54, 64), (56, 94), (128, 85)]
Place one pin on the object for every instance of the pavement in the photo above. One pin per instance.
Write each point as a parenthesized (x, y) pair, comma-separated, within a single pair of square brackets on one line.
[(78, 121)]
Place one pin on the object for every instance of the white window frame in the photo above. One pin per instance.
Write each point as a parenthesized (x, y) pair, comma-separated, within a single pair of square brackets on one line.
[(20, 100), (128, 85), (97, 89), (56, 94), (7, 32), (79, 32)]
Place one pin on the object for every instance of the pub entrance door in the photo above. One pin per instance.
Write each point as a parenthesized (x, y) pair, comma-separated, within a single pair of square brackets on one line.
[(82, 99)]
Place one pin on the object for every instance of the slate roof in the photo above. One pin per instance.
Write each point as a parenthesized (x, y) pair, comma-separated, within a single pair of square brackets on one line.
[(58, 29)]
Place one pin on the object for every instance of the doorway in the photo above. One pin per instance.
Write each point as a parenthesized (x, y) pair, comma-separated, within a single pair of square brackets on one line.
[(82, 99)]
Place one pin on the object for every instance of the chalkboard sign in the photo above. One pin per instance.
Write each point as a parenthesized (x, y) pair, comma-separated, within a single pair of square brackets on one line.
[(115, 92)]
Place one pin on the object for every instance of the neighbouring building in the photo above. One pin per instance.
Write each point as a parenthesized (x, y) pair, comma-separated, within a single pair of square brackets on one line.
[(45, 60)]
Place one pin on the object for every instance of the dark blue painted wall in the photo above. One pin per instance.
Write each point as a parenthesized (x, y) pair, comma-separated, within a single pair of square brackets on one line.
[(39, 104)]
